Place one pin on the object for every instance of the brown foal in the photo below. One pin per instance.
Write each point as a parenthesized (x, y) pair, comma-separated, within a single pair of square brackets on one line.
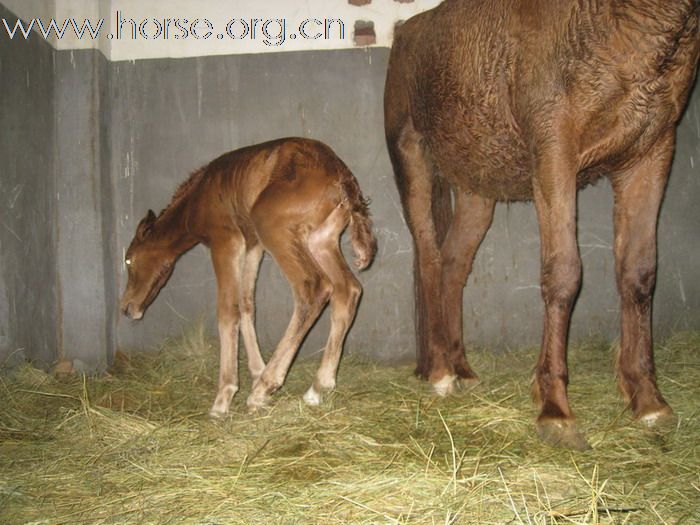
[(291, 197)]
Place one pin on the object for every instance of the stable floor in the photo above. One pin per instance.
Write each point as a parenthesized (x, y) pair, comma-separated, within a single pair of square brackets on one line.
[(136, 446)]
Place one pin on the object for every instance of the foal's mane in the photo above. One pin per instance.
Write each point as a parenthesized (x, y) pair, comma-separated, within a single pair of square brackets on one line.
[(184, 189)]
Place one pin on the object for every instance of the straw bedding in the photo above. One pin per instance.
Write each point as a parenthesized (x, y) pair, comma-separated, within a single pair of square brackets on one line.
[(136, 446)]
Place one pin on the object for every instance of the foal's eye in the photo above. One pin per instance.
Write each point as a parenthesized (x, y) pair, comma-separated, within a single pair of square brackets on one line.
[(127, 262)]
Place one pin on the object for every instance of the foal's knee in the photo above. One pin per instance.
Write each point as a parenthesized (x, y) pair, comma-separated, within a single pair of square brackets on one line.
[(228, 309), (247, 306), (561, 280)]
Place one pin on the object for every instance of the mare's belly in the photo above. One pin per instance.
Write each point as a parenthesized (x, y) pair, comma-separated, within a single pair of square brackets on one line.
[(493, 166)]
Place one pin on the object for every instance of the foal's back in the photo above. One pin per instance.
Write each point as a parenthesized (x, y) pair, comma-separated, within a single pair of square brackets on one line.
[(296, 175)]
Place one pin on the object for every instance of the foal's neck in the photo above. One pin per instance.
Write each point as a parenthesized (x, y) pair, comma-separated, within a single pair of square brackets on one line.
[(173, 224), (172, 230)]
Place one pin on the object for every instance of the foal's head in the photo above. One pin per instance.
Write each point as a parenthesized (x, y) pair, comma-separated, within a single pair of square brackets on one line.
[(149, 262)]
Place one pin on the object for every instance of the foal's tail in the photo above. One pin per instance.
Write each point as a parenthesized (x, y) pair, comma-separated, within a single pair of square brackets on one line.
[(364, 244)]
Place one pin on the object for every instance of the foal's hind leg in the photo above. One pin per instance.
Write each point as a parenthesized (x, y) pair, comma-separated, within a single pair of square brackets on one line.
[(227, 257), (250, 273), (311, 291), (344, 298), (472, 218), (638, 195)]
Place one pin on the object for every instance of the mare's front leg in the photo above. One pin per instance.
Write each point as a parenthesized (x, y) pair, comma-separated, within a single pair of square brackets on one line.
[(555, 198), (638, 196), (227, 257)]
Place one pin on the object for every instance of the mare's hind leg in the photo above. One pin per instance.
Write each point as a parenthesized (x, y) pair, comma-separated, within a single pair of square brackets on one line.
[(250, 273), (414, 175), (311, 291), (472, 218), (346, 293), (228, 259), (638, 195)]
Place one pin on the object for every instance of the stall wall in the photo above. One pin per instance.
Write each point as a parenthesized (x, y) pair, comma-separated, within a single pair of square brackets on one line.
[(29, 293), (101, 134)]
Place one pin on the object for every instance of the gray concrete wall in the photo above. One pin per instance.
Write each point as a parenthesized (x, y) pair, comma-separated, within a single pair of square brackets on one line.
[(29, 310), (83, 210), (106, 141), (56, 244), (677, 300)]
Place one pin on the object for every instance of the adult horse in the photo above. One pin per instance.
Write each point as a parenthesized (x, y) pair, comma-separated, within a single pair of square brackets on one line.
[(505, 100)]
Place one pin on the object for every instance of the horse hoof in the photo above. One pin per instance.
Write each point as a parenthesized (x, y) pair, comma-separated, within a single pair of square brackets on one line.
[(445, 386), (659, 419), (255, 408), (216, 414), (256, 402), (312, 398), (561, 433)]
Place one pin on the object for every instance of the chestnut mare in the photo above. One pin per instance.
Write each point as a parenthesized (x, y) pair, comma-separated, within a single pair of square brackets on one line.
[(292, 197), (505, 100)]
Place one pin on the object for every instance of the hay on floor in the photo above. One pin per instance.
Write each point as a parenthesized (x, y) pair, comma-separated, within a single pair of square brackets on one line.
[(136, 446)]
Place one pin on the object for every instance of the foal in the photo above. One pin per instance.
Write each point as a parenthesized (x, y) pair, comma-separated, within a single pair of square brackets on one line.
[(292, 197)]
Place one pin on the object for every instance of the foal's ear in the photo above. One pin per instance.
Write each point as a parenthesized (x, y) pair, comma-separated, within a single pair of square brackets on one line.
[(145, 225)]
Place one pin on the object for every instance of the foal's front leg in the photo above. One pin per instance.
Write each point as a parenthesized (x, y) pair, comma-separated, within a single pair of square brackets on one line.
[(227, 257)]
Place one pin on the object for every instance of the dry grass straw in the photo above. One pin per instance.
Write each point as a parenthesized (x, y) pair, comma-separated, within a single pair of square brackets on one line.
[(136, 446)]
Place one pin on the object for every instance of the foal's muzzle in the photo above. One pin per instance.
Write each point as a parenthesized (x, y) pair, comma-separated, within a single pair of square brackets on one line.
[(132, 311)]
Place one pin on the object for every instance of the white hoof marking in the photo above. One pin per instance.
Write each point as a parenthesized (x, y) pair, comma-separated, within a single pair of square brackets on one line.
[(312, 398), (215, 413), (445, 386), (650, 419), (223, 401)]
